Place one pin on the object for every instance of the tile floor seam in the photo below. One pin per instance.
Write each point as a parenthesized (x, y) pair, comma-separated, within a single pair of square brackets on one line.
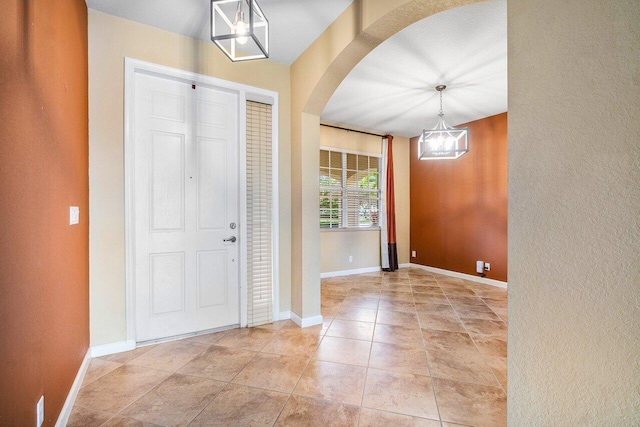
[(95, 379), (120, 413), (131, 418), (309, 360), (403, 414), (154, 369), (366, 373), (138, 419), (208, 404), (492, 310), (467, 382), (277, 391), (139, 397), (111, 416), (317, 399), (426, 354), (484, 358), (104, 423), (303, 371), (245, 365)]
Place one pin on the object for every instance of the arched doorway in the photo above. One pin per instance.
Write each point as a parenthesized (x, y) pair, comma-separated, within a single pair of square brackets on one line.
[(315, 75)]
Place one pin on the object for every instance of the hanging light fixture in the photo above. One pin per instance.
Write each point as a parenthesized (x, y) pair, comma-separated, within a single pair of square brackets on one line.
[(240, 29), (443, 141)]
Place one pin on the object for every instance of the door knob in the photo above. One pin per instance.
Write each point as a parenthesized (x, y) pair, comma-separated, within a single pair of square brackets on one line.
[(231, 239)]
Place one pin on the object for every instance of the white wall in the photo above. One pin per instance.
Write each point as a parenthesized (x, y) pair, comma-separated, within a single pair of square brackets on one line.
[(574, 212), (111, 39)]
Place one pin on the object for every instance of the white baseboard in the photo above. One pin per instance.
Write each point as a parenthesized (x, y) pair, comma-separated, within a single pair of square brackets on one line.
[(284, 315), (112, 348), (464, 276), (358, 271), (63, 418), (350, 272), (307, 321)]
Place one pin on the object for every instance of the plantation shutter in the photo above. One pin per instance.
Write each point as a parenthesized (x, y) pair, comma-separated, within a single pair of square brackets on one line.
[(259, 215)]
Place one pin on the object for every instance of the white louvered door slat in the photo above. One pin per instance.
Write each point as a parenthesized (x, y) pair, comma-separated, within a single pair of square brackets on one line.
[(259, 215)]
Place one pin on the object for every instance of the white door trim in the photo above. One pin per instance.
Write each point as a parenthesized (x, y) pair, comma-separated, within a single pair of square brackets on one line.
[(245, 92)]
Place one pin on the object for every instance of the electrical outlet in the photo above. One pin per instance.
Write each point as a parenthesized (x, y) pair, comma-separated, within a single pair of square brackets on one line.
[(414, 254), (40, 412), (350, 258), (487, 266)]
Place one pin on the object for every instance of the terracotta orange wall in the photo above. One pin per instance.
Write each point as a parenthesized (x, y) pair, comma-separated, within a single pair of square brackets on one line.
[(459, 207), (44, 294)]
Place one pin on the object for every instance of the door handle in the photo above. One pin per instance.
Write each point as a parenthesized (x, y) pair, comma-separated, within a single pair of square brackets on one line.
[(231, 239)]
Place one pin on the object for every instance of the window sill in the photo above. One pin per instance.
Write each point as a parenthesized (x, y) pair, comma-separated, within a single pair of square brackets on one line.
[(377, 228)]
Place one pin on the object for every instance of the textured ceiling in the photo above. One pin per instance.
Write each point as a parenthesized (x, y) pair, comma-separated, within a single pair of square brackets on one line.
[(392, 89), (294, 24)]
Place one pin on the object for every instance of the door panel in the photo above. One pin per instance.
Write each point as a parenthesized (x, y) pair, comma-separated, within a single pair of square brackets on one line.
[(167, 106), (212, 266), (211, 160), (167, 169), (186, 195), (212, 114), (167, 283)]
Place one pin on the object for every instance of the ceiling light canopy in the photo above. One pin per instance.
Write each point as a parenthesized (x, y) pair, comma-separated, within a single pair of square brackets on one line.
[(443, 142), (240, 29)]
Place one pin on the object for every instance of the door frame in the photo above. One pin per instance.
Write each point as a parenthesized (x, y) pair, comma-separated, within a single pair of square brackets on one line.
[(245, 93)]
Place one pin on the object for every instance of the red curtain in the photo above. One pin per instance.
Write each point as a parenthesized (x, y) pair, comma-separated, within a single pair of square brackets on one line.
[(391, 209)]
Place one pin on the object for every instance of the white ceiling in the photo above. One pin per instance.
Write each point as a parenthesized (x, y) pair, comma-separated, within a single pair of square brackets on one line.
[(392, 89), (294, 24)]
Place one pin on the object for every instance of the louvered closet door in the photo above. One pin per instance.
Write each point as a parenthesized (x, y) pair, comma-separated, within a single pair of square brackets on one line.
[(186, 160), (259, 215)]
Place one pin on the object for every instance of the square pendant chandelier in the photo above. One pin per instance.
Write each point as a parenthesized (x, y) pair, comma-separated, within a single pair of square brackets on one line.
[(240, 29), (443, 142)]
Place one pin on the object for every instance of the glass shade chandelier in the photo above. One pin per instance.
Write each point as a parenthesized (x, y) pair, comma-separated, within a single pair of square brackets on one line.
[(240, 29), (443, 142)]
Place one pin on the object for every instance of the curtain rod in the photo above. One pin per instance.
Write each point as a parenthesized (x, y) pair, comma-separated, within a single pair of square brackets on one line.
[(352, 130)]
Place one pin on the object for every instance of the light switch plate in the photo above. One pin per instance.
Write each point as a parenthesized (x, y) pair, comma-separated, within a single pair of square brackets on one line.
[(74, 215)]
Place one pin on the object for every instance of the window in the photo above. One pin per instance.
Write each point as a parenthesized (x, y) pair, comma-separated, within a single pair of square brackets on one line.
[(349, 191)]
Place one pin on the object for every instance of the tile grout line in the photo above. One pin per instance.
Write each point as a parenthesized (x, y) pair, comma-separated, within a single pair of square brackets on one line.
[(119, 413), (162, 382), (111, 416), (426, 354), (306, 366), (238, 373), (208, 404), (484, 359), (366, 372), (228, 383)]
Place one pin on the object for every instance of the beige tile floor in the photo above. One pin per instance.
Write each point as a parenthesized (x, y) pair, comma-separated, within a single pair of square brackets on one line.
[(408, 348)]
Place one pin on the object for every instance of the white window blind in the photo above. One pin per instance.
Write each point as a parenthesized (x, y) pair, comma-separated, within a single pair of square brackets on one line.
[(259, 215), (349, 191)]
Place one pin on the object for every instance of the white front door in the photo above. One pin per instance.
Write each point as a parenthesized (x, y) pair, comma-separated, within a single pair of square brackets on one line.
[(186, 198)]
